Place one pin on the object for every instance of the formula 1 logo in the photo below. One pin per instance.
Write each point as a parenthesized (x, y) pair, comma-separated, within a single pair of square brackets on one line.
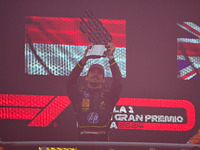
[(129, 113), (41, 110)]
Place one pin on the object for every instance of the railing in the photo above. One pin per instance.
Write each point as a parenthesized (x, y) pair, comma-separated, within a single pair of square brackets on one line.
[(151, 146)]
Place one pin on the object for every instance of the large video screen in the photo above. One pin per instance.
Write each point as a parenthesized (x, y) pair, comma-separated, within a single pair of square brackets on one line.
[(53, 46), (157, 51), (188, 52)]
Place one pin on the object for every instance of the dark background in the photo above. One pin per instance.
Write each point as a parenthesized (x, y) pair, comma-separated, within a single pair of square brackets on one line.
[(151, 42)]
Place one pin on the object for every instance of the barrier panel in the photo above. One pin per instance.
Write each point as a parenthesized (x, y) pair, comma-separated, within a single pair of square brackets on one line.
[(149, 145)]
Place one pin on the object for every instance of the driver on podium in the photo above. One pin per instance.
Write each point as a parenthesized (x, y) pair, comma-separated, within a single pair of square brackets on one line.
[(94, 104)]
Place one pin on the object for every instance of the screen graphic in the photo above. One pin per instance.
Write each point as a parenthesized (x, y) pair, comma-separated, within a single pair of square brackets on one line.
[(41, 110), (129, 113), (153, 114), (188, 51), (53, 45)]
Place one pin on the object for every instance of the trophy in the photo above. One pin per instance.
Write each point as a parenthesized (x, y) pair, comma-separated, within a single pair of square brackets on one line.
[(98, 34)]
